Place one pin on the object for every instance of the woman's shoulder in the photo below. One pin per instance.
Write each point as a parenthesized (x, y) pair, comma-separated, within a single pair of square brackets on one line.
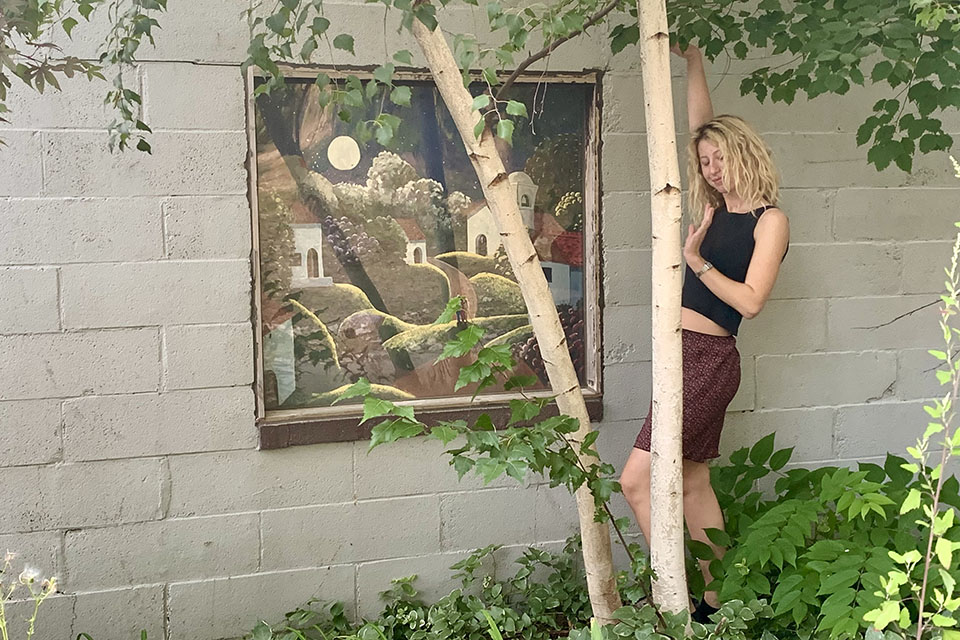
[(773, 217)]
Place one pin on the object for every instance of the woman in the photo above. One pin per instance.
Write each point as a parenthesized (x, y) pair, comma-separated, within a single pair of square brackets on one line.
[(733, 254)]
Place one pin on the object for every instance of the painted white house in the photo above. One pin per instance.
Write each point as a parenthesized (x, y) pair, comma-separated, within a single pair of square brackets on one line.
[(307, 265), (416, 241), (482, 235)]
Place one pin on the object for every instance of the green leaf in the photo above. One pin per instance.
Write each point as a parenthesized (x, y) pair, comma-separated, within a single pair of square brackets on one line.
[(505, 130), (780, 458), (143, 145), (443, 433), (359, 388), (375, 408), (344, 42), (718, 537), (516, 108), (761, 451), (453, 305), (911, 502), (384, 73), (68, 24), (479, 127), (319, 25), (403, 57), (944, 551), (262, 631), (481, 102)]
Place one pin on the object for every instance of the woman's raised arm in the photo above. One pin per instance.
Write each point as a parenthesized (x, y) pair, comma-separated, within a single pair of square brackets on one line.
[(699, 107)]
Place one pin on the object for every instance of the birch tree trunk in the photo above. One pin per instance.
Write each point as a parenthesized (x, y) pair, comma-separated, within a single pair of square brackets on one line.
[(501, 199), (666, 449)]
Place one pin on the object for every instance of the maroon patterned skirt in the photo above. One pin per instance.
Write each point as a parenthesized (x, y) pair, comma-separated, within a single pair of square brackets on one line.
[(711, 377)]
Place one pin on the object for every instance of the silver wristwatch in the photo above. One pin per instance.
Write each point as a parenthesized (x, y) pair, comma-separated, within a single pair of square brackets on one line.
[(706, 267)]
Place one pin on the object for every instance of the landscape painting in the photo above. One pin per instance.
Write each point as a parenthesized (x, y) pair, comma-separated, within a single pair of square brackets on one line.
[(363, 240)]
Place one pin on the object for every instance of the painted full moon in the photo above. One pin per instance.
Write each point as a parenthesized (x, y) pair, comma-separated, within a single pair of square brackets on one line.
[(343, 153)]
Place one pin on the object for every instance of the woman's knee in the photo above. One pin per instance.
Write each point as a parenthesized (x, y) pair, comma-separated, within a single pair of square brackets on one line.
[(635, 478)]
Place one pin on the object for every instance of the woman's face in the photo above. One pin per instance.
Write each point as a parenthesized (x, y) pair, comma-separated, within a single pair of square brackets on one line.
[(711, 164)]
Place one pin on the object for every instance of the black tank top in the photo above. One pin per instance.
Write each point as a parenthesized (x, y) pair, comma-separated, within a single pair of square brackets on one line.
[(728, 245)]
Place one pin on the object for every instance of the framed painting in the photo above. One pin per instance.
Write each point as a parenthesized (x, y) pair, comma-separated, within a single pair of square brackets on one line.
[(362, 237)]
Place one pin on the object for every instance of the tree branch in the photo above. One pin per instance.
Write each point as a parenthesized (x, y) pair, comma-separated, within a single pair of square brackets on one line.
[(900, 317), (547, 50)]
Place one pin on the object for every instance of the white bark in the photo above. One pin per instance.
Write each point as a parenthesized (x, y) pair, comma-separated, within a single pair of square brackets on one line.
[(501, 199), (666, 449)]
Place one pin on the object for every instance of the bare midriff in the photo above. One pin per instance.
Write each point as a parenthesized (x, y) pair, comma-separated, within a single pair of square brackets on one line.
[(693, 321)]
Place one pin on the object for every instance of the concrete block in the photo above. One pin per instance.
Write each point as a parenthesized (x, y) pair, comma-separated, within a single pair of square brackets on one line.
[(616, 440), (823, 160), (871, 323), (923, 266), (128, 426), (29, 297), (149, 293), (828, 113), (916, 377), (623, 104), (163, 551), (626, 391), (30, 433), (119, 614), (80, 230), (745, 399), (417, 466), (875, 429), (626, 334), (434, 579), (24, 177), (214, 98), (626, 278), (785, 326), (40, 550), (493, 516), (625, 220), (80, 495), (824, 379), (555, 514), (624, 164), (256, 480), (70, 364), (53, 623), (215, 31), (895, 214), (78, 106), (182, 163), (350, 532), (839, 270), (230, 607), (206, 228), (810, 212), (808, 431), (218, 355)]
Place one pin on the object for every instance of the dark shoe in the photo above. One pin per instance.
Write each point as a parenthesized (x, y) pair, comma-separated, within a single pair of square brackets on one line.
[(703, 612)]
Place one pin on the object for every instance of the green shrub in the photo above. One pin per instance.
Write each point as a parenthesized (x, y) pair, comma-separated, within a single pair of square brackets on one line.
[(497, 295), (431, 338), (519, 334), (470, 264), (334, 303)]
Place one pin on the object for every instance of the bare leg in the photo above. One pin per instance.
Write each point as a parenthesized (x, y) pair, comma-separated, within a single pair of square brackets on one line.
[(635, 482), (701, 510)]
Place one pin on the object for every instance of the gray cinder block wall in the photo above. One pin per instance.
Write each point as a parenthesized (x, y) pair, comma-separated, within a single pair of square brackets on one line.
[(128, 453)]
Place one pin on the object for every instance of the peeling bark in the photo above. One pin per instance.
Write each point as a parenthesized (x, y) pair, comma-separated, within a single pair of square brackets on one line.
[(601, 580), (666, 448)]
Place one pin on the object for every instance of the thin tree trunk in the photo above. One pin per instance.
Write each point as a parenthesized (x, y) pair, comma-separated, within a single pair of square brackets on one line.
[(666, 449), (501, 199)]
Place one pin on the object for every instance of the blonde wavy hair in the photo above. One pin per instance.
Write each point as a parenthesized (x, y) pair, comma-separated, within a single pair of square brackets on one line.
[(748, 168)]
